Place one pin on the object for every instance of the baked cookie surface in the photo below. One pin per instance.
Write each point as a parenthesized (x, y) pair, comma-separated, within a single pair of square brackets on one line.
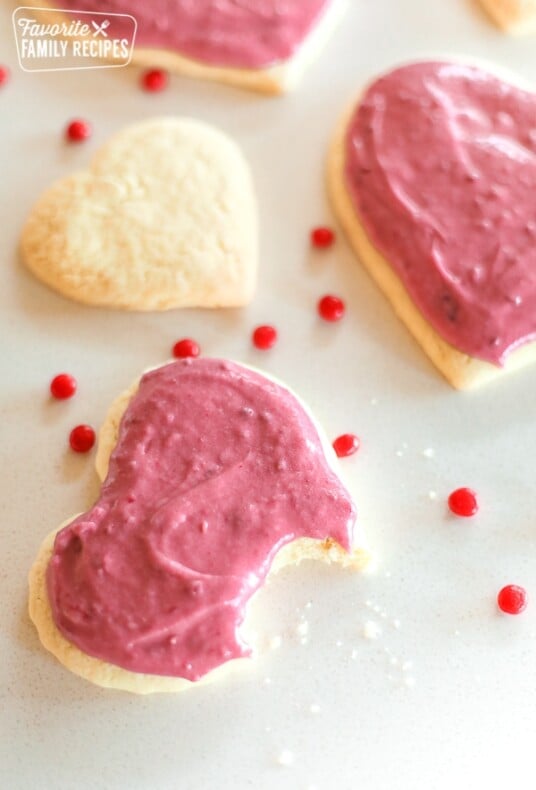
[(165, 217)]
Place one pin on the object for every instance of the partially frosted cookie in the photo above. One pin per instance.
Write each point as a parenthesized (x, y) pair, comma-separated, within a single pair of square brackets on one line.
[(164, 217), (514, 16), (264, 45), (217, 477), (433, 176)]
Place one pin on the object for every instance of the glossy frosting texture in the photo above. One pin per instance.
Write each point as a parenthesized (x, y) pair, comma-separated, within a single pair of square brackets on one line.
[(441, 168), (215, 469), (233, 33)]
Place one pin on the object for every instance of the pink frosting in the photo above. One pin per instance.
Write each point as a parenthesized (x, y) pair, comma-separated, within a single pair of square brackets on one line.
[(234, 33), (441, 168), (215, 469)]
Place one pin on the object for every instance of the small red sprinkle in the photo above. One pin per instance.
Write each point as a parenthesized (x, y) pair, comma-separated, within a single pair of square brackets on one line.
[(331, 308), (512, 599), (186, 348), (82, 438), (264, 337), (463, 502), (154, 80), (63, 386), (5, 74), (346, 445), (322, 237), (77, 131)]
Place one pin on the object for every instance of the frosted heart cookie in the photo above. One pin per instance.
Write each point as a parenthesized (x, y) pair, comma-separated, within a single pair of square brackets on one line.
[(433, 176), (164, 217), (264, 45), (514, 16), (214, 477)]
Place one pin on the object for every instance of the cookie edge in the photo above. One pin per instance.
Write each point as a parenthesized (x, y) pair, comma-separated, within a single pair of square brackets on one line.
[(512, 16)]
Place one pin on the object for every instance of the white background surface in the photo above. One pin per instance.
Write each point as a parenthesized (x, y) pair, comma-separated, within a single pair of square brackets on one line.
[(469, 719)]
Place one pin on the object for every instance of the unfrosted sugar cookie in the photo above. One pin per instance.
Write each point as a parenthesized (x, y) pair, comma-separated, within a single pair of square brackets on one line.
[(433, 176), (514, 16), (264, 45), (214, 477), (164, 217)]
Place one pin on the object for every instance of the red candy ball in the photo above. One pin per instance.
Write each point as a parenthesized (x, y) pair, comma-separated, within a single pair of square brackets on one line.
[(186, 348), (82, 438), (322, 237), (264, 337), (346, 445), (77, 131), (463, 502), (5, 74), (331, 308), (512, 599), (63, 386), (154, 80)]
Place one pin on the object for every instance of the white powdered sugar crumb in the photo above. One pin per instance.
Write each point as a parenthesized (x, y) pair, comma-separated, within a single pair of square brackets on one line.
[(432, 495), (371, 630), (409, 682), (285, 757), (314, 709), (429, 452), (275, 642), (303, 629)]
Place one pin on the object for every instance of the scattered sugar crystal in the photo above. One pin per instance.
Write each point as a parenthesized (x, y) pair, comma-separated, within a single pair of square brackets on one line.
[(396, 624), (429, 452), (371, 630), (303, 628), (432, 495), (285, 757), (314, 708)]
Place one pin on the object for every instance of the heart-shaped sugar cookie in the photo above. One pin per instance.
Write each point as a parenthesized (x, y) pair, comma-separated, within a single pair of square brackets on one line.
[(165, 217), (514, 16), (264, 45), (218, 475), (433, 176)]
